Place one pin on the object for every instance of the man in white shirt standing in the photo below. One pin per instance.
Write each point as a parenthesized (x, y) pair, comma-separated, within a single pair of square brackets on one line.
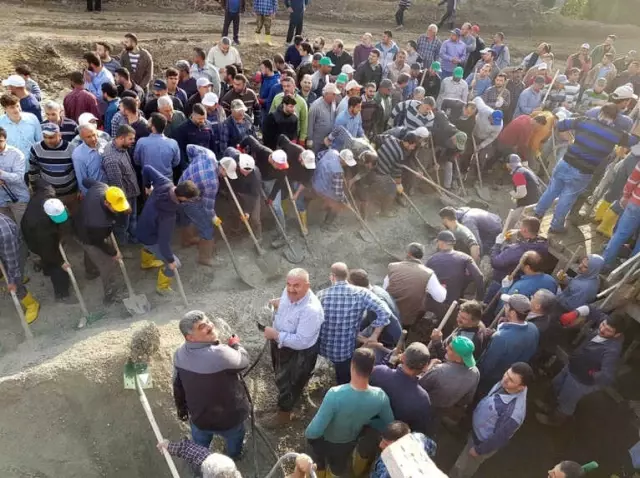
[(224, 54), (294, 342)]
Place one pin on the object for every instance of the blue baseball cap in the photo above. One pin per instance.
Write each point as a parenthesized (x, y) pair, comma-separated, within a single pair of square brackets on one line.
[(160, 85), (50, 129), (497, 116), (457, 31)]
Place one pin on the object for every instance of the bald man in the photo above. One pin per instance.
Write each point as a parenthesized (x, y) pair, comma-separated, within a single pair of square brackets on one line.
[(294, 342), (344, 305)]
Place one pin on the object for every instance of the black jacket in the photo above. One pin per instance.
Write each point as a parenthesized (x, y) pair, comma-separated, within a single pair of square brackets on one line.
[(296, 172), (94, 222), (278, 123), (365, 73), (40, 233)]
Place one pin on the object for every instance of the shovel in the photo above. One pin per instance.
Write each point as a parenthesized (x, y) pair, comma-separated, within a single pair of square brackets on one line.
[(137, 377), (303, 229), (218, 223), (479, 187), (269, 267), (291, 253), (362, 233), (18, 306), (180, 287), (87, 318), (135, 304)]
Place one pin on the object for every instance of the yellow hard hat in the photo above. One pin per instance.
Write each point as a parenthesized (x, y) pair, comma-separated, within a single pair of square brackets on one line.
[(116, 199)]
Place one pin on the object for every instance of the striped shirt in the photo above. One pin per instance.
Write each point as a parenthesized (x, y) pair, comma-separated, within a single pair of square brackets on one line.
[(390, 156), (572, 92), (134, 58), (54, 165), (412, 118), (67, 129)]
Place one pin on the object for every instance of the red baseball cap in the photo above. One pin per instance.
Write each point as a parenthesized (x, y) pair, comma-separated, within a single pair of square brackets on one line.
[(475, 29)]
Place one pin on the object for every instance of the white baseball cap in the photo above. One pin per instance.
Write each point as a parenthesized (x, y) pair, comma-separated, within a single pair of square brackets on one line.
[(308, 159), (14, 80), (229, 166), (586, 45), (347, 69), (86, 118), (624, 92), (210, 99), (542, 66), (56, 210), (330, 88), (422, 132), (280, 159), (202, 82), (347, 156), (246, 162), (352, 84)]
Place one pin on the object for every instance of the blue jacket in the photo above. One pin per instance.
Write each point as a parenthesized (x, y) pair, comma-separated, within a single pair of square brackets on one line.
[(292, 56), (158, 218), (207, 136), (297, 6), (505, 257), (511, 343), (496, 418), (275, 89), (530, 284), (583, 288), (265, 86)]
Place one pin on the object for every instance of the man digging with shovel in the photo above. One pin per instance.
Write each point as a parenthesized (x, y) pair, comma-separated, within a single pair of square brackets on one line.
[(203, 172), (158, 220)]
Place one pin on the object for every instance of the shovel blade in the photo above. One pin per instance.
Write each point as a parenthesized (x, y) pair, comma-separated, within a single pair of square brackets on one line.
[(365, 236), (269, 265), (292, 255), (139, 372), (137, 304), (482, 192)]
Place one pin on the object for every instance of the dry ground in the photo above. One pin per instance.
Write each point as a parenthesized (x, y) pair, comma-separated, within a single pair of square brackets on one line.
[(62, 409)]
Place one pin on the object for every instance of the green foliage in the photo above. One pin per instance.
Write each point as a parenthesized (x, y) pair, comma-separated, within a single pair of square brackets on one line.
[(576, 8)]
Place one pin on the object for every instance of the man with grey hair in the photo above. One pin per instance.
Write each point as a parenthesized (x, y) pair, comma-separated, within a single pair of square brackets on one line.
[(344, 305), (322, 117), (174, 117), (294, 342), (211, 465), (409, 401), (409, 281), (87, 158), (207, 386), (55, 114), (543, 303)]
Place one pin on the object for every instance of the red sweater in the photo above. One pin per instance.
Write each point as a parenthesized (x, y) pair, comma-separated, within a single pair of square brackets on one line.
[(631, 190), (517, 134)]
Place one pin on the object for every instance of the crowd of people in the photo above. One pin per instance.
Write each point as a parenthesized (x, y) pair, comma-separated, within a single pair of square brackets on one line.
[(136, 155)]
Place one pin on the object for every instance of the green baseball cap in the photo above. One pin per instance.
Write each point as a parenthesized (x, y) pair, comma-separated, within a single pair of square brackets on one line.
[(342, 78), (464, 347), (326, 61), (435, 66), (458, 72)]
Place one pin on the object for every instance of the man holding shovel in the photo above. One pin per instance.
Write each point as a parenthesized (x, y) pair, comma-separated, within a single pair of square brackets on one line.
[(207, 386), (203, 172), (158, 221), (328, 181), (99, 211)]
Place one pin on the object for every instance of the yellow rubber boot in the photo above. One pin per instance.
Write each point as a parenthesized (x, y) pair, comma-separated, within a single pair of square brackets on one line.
[(256, 40), (609, 221), (303, 220), (267, 39), (148, 260), (163, 285), (601, 209), (359, 464), (32, 307)]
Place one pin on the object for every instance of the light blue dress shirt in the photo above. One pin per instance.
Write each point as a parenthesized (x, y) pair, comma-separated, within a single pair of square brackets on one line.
[(158, 151), (97, 79), (298, 323), (24, 133), (12, 169), (87, 163)]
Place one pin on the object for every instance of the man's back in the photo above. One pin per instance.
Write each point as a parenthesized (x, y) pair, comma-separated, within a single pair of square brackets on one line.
[(513, 342), (410, 402), (345, 410)]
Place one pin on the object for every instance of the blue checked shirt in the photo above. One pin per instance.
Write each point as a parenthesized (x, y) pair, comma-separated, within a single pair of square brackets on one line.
[(10, 249), (265, 7), (203, 170), (344, 306), (429, 50)]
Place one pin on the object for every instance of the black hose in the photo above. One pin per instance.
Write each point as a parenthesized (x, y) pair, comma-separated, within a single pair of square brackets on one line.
[(253, 426)]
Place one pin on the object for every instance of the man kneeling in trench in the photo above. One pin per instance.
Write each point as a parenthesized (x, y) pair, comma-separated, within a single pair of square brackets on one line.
[(207, 387)]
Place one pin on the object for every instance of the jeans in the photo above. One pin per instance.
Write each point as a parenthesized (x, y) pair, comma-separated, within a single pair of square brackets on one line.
[(343, 371), (155, 250), (125, 227), (94, 5), (233, 438), (195, 213), (566, 184), (627, 226), (400, 15), (296, 20), (228, 18), (277, 201), (569, 391)]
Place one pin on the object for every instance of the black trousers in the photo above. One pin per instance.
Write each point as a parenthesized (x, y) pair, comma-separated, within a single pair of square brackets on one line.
[(400, 15), (449, 17), (94, 5), (296, 20), (59, 279), (228, 18)]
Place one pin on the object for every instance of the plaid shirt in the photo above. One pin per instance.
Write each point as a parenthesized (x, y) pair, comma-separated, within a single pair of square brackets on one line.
[(203, 170), (265, 7), (344, 305), (10, 249), (429, 50), (119, 171), (490, 96), (189, 451)]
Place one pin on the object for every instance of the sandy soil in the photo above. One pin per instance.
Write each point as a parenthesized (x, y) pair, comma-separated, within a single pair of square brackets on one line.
[(62, 407)]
